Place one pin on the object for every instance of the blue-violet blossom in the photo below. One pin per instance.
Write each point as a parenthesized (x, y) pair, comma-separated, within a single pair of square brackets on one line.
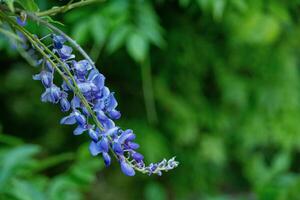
[(108, 139)]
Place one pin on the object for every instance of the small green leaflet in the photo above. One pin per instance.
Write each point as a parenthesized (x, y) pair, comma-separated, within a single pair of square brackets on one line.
[(49, 19), (28, 5)]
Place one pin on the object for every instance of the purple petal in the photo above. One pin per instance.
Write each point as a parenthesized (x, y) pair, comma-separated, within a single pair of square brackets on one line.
[(79, 130), (45, 97), (58, 41), (85, 111), (80, 118), (65, 52), (101, 116), (65, 86), (75, 102), (49, 66), (137, 156), (21, 22), (108, 124), (127, 135), (68, 119), (99, 81), (93, 134), (85, 87), (36, 77), (127, 169), (82, 67), (93, 74), (111, 102), (99, 106), (54, 93), (114, 114), (46, 78), (104, 145), (117, 148), (106, 158), (64, 104), (94, 150), (112, 131), (133, 145), (105, 92)]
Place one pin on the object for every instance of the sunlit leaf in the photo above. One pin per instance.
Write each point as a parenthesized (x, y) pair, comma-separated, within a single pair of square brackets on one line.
[(118, 38), (28, 5), (13, 159), (137, 47)]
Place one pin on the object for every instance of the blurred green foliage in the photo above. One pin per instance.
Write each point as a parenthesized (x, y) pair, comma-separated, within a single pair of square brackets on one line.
[(225, 78), (22, 174)]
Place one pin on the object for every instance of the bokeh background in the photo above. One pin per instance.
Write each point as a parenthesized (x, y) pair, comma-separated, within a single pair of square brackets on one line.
[(214, 82)]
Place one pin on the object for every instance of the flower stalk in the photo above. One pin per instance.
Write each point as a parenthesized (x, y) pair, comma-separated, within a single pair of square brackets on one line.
[(67, 7), (91, 96), (58, 31)]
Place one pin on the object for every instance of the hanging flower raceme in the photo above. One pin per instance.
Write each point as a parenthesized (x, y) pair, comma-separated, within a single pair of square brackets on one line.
[(95, 117)]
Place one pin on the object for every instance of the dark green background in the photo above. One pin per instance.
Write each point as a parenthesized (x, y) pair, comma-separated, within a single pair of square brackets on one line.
[(225, 78)]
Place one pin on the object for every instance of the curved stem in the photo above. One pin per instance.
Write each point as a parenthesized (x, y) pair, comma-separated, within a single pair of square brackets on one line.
[(65, 8), (148, 91), (70, 40), (39, 45), (48, 54)]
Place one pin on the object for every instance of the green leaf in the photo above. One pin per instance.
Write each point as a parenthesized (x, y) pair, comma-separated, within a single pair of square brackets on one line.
[(281, 163), (117, 38), (212, 149), (137, 47), (24, 190), (184, 3), (62, 188), (218, 9), (99, 29), (10, 4), (49, 19), (28, 5), (13, 159), (80, 32), (84, 170), (204, 4), (10, 140), (148, 25), (258, 28), (155, 191), (52, 161)]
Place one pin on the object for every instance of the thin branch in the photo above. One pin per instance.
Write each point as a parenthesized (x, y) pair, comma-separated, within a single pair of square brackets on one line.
[(70, 40), (43, 50), (148, 91), (55, 10)]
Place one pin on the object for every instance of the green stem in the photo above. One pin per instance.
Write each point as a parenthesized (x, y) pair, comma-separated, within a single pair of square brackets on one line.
[(148, 91), (55, 10), (70, 40)]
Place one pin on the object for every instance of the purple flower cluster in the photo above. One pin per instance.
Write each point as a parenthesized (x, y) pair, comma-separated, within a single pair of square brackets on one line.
[(97, 120)]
